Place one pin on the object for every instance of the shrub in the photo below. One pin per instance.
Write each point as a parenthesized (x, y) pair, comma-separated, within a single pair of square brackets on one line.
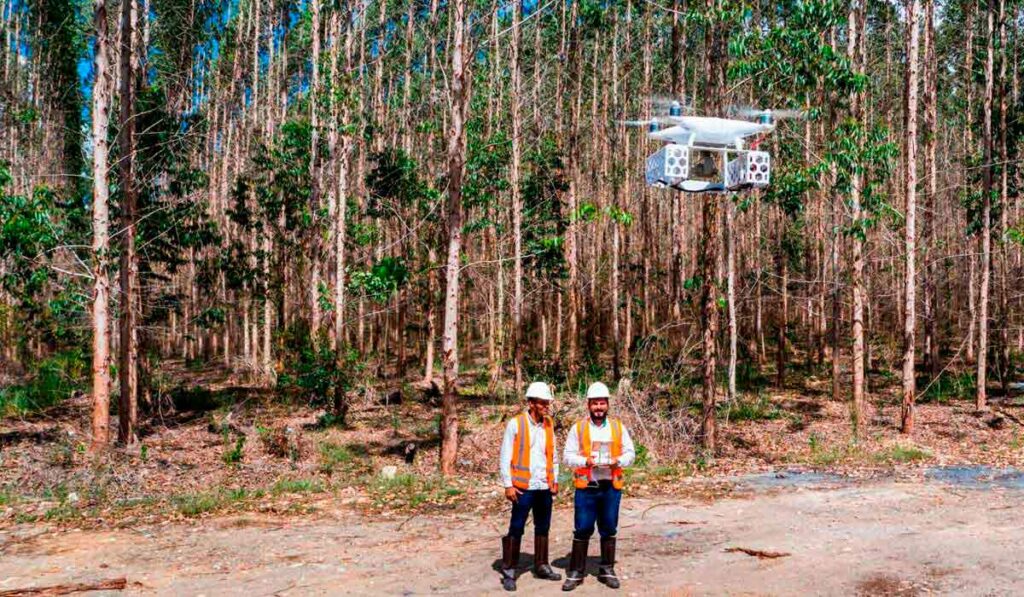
[(761, 409), (281, 441), (233, 455), (51, 381), (949, 387), (333, 456)]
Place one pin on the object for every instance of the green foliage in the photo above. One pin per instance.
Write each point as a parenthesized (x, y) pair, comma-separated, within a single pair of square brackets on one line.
[(948, 387), (317, 373), (52, 380), (335, 456), (411, 491), (486, 178), (382, 280), (285, 486), (543, 187), (643, 456), (32, 228), (792, 56), (395, 185), (822, 455), (760, 409), (901, 454), (233, 455), (191, 505)]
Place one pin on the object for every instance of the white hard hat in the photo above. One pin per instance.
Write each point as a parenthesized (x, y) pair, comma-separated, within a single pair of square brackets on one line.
[(598, 390), (540, 391)]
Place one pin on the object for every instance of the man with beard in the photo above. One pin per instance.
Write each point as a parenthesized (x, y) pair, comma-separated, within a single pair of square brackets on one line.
[(597, 448), (529, 473)]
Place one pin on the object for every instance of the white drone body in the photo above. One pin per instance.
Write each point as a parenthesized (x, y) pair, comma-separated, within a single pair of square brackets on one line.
[(708, 155)]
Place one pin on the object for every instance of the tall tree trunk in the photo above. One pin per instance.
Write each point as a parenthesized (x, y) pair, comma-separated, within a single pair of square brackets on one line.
[(968, 150), (857, 405), (314, 178), (129, 346), (910, 240), (986, 215), (456, 162), (931, 200), (1004, 366), (517, 200), (730, 249), (100, 232), (714, 41)]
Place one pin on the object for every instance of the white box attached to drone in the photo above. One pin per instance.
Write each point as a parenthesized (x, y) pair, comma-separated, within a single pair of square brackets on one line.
[(750, 169), (668, 166)]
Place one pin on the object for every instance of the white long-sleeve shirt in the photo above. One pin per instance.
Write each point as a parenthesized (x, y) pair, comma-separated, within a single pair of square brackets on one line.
[(575, 459), (538, 458)]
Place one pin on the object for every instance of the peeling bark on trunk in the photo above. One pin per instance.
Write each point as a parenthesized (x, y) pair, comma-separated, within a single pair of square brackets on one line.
[(449, 431), (101, 233), (910, 239)]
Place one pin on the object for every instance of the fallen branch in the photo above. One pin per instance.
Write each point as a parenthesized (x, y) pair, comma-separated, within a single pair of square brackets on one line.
[(112, 584), (655, 506), (758, 553)]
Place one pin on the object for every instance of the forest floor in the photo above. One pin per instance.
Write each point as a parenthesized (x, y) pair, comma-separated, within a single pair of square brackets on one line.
[(817, 534), (237, 489)]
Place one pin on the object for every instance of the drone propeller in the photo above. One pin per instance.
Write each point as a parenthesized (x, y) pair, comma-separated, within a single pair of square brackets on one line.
[(635, 123), (663, 103), (768, 114)]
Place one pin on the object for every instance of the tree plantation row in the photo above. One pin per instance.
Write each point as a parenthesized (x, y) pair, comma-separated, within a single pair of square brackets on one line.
[(321, 194)]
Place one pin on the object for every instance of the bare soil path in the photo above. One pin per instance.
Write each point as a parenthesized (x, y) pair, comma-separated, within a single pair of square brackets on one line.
[(843, 538)]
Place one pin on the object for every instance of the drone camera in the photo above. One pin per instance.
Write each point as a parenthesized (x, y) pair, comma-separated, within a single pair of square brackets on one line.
[(669, 165)]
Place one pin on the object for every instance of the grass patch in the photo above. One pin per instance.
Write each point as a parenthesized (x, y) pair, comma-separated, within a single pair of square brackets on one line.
[(195, 504), (285, 486), (428, 428), (902, 454), (411, 491), (241, 494), (62, 513), (335, 456), (7, 497), (760, 409), (822, 455)]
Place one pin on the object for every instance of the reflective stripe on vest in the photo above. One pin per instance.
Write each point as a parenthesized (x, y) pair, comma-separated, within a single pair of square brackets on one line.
[(521, 453), (584, 475)]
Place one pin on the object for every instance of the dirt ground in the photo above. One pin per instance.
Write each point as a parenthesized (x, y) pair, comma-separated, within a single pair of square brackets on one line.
[(842, 537)]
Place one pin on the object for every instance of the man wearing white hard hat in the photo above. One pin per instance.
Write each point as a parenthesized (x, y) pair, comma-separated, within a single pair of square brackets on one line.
[(597, 449), (529, 474)]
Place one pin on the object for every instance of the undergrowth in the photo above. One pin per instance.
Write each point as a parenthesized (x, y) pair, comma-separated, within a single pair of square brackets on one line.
[(51, 380)]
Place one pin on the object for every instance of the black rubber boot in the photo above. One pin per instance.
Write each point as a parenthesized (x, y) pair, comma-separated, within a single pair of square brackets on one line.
[(606, 572), (577, 564), (509, 561), (541, 568)]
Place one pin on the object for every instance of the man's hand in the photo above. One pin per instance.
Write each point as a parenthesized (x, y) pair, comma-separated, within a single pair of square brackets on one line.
[(615, 462), (590, 461), (512, 494), (554, 490)]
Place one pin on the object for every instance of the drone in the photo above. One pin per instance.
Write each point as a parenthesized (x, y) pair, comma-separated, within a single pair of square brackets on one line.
[(695, 157)]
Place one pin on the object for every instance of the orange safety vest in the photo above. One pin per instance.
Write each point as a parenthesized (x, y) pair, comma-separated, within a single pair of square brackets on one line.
[(521, 453), (584, 476)]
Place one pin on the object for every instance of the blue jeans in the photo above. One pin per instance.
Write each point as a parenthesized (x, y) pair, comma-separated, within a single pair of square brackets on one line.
[(539, 502), (597, 504)]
